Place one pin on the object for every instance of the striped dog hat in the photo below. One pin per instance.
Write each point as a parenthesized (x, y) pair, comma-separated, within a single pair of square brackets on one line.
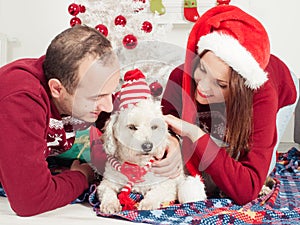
[(134, 89)]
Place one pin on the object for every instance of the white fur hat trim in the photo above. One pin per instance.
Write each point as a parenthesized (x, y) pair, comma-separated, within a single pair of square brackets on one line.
[(236, 56)]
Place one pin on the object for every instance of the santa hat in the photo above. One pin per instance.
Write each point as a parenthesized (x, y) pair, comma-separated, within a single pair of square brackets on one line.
[(235, 37), (134, 89)]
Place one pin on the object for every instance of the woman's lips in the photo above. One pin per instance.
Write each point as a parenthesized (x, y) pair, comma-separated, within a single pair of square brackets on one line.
[(203, 95)]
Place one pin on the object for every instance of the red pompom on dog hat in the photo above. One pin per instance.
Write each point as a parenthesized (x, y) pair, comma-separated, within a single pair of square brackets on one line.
[(134, 89), (236, 38)]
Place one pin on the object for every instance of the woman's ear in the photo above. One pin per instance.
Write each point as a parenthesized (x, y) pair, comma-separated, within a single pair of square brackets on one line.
[(55, 87)]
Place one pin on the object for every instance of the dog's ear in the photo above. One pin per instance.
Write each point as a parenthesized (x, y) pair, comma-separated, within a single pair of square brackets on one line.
[(108, 137)]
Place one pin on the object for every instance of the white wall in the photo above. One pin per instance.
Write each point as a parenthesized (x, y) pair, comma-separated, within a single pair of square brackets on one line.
[(30, 26)]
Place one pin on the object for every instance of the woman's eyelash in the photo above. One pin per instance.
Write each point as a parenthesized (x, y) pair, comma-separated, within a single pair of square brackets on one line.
[(223, 86), (201, 67)]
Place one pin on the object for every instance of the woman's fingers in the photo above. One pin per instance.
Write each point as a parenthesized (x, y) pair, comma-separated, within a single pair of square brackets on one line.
[(174, 123), (171, 166), (184, 128)]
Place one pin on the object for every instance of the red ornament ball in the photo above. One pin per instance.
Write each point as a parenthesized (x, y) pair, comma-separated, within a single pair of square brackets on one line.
[(75, 20), (102, 29), (156, 89), (74, 9), (82, 8), (120, 20), (147, 27), (130, 41)]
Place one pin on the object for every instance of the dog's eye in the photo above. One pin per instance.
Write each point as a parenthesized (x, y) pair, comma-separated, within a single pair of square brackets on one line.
[(132, 127), (154, 127)]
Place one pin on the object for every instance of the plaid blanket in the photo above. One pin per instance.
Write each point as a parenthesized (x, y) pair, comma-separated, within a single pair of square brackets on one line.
[(281, 206)]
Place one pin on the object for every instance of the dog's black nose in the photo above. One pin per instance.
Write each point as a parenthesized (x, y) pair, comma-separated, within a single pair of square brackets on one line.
[(147, 146)]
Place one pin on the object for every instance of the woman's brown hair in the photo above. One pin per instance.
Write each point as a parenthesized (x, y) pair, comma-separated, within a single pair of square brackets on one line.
[(239, 107)]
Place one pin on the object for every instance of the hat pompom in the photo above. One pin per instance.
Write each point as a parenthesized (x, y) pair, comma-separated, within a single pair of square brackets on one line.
[(133, 75)]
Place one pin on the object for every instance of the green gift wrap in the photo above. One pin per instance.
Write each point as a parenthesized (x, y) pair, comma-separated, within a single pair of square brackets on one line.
[(80, 148)]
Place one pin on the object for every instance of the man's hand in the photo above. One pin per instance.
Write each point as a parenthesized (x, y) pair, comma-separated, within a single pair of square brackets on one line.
[(83, 168), (171, 165)]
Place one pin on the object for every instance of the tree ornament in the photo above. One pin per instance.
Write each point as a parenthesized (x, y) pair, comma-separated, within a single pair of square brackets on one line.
[(138, 9), (75, 20), (156, 89), (223, 2), (74, 9), (190, 10), (130, 41), (82, 8), (147, 26), (120, 20), (102, 29), (156, 6)]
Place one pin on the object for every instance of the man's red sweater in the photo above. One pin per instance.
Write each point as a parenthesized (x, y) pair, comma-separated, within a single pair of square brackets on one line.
[(32, 129)]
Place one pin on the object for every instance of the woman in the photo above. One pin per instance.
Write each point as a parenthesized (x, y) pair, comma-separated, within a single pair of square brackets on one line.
[(228, 94)]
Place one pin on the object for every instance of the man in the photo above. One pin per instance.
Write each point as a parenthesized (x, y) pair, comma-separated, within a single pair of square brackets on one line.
[(42, 102)]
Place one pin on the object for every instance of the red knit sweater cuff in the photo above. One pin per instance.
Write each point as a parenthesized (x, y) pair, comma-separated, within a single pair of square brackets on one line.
[(204, 152)]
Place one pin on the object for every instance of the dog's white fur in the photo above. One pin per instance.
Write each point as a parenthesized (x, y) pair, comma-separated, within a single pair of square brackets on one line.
[(124, 136)]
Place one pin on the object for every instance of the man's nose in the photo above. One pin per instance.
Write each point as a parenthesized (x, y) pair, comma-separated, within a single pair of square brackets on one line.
[(105, 104)]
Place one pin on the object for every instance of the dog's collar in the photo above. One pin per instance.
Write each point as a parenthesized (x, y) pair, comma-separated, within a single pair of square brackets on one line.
[(132, 171)]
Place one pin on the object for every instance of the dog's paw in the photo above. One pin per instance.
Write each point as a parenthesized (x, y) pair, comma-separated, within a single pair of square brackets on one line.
[(110, 207), (148, 204)]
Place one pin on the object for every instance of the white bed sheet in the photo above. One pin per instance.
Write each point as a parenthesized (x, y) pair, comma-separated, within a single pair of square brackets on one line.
[(73, 214)]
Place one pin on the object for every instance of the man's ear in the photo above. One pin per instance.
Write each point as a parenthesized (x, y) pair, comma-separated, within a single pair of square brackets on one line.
[(55, 87)]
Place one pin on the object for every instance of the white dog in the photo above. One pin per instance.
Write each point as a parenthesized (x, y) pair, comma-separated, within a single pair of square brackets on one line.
[(136, 136)]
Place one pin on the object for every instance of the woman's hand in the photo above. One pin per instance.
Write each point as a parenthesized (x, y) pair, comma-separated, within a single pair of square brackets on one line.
[(171, 165), (83, 168), (184, 128)]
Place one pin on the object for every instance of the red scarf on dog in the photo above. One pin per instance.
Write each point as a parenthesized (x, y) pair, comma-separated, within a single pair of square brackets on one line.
[(134, 173)]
